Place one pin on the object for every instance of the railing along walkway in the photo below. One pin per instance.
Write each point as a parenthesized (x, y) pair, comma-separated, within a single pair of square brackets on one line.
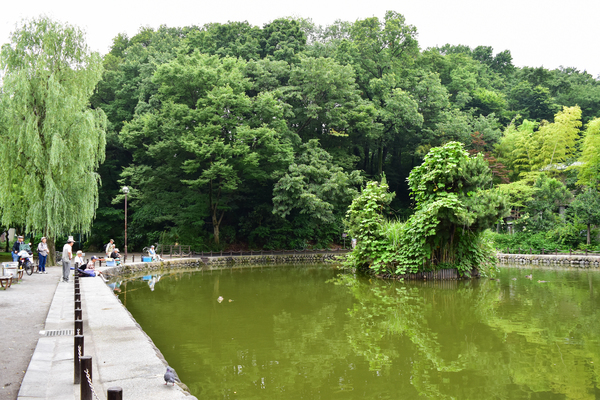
[(253, 253)]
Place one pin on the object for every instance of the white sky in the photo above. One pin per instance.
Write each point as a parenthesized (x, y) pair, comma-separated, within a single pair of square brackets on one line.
[(545, 33)]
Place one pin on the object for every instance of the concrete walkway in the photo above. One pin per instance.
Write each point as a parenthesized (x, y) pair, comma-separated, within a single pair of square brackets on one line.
[(121, 352), (23, 310)]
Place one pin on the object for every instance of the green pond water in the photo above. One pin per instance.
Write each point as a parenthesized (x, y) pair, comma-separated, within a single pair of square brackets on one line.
[(312, 332)]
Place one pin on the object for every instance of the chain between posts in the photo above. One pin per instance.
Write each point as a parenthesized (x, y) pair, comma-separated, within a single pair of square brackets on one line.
[(87, 375)]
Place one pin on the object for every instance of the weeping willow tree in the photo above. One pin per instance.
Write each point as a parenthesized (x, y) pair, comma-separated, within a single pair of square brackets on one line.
[(51, 141)]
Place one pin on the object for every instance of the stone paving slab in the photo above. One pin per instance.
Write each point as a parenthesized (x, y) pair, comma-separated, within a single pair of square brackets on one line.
[(23, 310), (122, 354), (125, 354)]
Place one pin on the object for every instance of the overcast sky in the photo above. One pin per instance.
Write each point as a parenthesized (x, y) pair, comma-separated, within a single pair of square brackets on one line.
[(545, 33)]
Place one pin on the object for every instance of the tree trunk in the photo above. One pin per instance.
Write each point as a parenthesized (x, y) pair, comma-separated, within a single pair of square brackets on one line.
[(51, 261), (380, 159), (217, 223), (588, 234), (216, 229)]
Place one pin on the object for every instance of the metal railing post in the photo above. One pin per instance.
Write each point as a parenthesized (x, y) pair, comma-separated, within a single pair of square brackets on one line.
[(85, 387), (114, 393), (79, 327), (78, 350)]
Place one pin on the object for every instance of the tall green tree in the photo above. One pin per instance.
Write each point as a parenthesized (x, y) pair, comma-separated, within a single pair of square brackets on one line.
[(314, 186), (205, 143), (52, 141), (589, 171), (586, 209), (556, 141)]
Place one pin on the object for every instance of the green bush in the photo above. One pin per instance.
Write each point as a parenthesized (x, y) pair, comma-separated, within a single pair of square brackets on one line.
[(563, 237)]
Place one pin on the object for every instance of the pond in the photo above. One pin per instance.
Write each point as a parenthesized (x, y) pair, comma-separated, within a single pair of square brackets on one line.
[(312, 332)]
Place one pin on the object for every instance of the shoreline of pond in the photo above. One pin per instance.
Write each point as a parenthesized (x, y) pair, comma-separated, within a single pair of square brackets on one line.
[(220, 262), (569, 261)]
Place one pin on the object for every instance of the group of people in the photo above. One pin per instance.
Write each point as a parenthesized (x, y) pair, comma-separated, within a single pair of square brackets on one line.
[(22, 250), (82, 267), (112, 251)]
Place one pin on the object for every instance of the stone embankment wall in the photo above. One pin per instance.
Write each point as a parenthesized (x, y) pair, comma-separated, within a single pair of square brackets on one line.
[(134, 268), (577, 261), (274, 259), (220, 261)]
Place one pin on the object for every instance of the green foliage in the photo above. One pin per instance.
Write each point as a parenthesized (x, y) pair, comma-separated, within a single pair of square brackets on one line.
[(314, 186), (549, 195), (586, 209), (52, 142), (563, 237), (453, 208), (376, 103), (525, 149), (364, 220), (590, 156)]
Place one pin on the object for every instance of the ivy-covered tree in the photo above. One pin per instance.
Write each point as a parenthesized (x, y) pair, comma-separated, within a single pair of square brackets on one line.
[(453, 206)]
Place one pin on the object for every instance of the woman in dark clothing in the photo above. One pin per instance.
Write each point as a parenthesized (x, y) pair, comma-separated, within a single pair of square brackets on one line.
[(17, 248)]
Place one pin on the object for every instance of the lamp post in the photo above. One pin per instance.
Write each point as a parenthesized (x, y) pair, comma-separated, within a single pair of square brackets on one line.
[(125, 190)]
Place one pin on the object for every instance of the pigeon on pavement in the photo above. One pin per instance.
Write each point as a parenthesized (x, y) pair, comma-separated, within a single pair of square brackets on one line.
[(171, 376)]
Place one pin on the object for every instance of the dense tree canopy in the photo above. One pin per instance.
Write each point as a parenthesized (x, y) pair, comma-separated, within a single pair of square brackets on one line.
[(215, 126)]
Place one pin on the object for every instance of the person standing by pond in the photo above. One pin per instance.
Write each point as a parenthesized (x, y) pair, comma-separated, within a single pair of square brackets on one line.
[(67, 255), (17, 248), (109, 248), (42, 256)]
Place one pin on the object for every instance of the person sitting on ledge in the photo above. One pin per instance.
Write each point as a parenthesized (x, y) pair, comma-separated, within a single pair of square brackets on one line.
[(79, 261), (153, 255), (90, 271), (116, 256)]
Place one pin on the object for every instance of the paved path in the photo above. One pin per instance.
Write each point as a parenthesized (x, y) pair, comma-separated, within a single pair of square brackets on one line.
[(122, 354), (23, 310)]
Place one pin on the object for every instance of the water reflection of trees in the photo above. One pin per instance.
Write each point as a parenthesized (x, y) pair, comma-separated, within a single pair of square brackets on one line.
[(301, 337), (473, 342)]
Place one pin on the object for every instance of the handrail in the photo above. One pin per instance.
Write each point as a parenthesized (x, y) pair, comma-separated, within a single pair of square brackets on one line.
[(241, 253)]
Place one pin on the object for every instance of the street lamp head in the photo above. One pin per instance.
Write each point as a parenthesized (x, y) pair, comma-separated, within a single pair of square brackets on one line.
[(125, 189)]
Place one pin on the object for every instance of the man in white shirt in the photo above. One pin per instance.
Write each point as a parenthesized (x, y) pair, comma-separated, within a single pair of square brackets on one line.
[(109, 248), (67, 255)]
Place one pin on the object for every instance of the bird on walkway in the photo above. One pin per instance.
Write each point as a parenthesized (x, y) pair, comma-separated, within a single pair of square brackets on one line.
[(171, 376)]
